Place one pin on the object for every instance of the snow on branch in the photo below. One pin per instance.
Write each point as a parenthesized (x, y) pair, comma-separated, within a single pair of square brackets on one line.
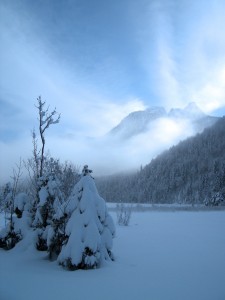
[(45, 118)]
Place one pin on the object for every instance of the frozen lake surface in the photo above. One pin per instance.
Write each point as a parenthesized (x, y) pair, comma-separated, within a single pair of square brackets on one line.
[(159, 256)]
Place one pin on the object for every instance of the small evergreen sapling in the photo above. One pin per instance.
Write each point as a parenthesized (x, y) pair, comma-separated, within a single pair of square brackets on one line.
[(89, 230)]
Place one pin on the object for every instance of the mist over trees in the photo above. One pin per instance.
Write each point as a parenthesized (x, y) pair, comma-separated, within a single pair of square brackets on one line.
[(192, 172)]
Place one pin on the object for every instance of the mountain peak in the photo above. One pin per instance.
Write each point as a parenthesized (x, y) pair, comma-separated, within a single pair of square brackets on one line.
[(193, 108), (191, 111)]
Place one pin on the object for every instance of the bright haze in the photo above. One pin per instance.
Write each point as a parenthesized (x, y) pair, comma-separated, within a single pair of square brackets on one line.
[(96, 62)]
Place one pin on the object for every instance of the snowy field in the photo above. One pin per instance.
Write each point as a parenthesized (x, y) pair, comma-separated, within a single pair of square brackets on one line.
[(160, 256)]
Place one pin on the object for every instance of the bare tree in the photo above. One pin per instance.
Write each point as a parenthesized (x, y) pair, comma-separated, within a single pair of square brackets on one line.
[(123, 213), (35, 165), (46, 119), (17, 173), (10, 237), (32, 166)]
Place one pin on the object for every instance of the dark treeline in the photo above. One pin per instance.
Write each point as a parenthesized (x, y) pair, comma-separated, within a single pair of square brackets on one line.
[(191, 172)]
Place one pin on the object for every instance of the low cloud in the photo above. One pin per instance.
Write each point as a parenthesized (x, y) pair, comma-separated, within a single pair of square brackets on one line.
[(211, 95), (108, 155)]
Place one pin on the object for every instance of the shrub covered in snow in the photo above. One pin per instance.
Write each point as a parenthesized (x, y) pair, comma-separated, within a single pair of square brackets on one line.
[(21, 203), (18, 224)]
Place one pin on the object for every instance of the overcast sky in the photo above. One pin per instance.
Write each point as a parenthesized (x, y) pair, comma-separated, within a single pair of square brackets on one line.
[(98, 60)]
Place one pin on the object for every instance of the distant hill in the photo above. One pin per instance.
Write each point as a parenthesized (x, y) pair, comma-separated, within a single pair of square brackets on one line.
[(191, 172)]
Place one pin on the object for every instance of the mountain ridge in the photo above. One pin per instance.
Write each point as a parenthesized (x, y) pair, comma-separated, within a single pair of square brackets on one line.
[(139, 122)]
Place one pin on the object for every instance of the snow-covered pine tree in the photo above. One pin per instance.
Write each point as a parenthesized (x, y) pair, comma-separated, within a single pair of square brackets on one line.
[(50, 198), (89, 230)]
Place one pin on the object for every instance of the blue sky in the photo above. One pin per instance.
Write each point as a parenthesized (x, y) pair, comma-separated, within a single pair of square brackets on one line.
[(96, 61)]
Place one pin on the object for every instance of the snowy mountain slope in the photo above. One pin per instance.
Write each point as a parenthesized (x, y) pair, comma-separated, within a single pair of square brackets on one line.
[(141, 121), (137, 122)]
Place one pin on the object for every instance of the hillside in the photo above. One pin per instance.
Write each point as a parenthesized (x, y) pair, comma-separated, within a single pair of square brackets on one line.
[(191, 172)]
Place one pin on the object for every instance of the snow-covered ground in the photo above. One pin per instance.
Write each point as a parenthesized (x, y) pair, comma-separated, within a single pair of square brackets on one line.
[(160, 256)]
